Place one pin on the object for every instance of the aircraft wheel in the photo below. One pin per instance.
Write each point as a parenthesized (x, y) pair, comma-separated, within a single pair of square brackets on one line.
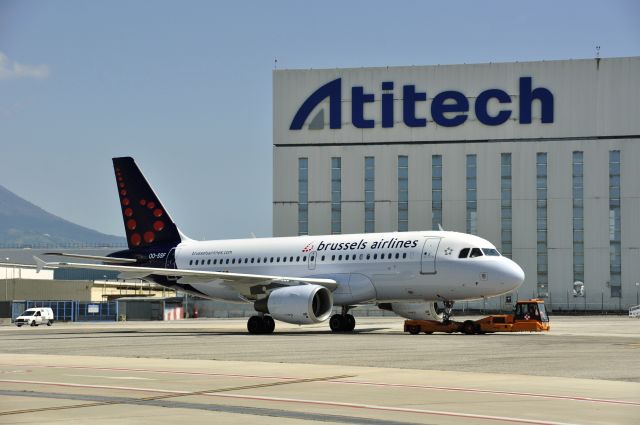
[(255, 325), (269, 324), (469, 327), (414, 329), (336, 323), (349, 322)]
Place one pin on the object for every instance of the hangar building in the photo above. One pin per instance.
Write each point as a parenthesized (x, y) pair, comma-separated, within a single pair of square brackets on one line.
[(541, 158)]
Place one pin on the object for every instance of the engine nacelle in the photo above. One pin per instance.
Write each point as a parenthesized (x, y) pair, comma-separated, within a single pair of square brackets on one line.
[(300, 305), (415, 311)]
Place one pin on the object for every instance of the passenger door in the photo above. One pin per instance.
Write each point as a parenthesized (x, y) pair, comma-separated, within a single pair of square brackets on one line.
[(428, 257), (312, 260)]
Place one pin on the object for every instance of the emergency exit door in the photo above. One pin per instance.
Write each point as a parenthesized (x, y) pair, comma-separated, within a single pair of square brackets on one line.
[(429, 253)]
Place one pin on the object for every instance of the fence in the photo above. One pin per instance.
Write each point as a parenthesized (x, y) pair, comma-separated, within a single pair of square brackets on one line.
[(71, 311)]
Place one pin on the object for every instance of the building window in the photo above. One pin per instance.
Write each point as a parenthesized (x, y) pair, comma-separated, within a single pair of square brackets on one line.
[(369, 194), (578, 216), (303, 196), (403, 193), (615, 237), (505, 205), (436, 191), (472, 199), (541, 215), (336, 196)]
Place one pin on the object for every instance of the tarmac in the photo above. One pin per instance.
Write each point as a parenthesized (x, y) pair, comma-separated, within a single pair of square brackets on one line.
[(586, 370)]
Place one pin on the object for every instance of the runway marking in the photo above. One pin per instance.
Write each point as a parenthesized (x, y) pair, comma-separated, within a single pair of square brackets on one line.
[(217, 393), (131, 378), (167, 393), (364, 383)]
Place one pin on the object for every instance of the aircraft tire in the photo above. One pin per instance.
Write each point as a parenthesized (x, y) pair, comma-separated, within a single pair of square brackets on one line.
[(349, 322), (336, 323), (269, 324), (255, 325)]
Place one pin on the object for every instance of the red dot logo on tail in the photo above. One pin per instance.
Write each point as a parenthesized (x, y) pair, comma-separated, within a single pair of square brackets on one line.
[(308, 247)]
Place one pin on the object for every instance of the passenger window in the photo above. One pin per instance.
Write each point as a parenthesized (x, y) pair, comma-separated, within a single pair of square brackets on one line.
[(258, 261), (340, 257), (233, 261), (333, 258), (298, 259), (265, 260), (291, 259), (375, 256), (464, 253), (323, 258), (304, 259), (191, 262), (404, 255), (397, 255), (353, 257), (252, 259), (475, 252), (246, 260), (227, 261), (368, 256), (361, 256), (271, 260), (278, 260), (284, 259)]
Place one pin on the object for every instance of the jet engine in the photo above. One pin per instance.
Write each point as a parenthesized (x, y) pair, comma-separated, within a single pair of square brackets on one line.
[(301, 305), (414, 310)]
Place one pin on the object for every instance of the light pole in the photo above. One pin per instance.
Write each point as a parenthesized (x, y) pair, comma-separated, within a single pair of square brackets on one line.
[(6, 280), (637, 293)]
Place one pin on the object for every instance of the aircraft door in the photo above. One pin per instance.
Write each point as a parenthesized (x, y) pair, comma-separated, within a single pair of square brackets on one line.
[(312, 260), (428, 258)]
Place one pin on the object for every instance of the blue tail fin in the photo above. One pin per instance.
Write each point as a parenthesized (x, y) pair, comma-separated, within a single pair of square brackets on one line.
[(146, 222)]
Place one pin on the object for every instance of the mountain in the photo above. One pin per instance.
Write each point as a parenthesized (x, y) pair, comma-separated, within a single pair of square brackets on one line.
[(23, 224)]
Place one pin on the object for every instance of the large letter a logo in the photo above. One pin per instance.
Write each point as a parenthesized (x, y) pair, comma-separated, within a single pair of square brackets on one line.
[(332, 90)]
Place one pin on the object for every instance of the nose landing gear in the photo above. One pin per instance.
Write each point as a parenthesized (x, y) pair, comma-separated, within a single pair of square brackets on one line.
[(343, 322), (448, 310)]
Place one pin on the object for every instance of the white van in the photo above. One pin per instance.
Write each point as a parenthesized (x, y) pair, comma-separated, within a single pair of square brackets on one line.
[(35, 316)]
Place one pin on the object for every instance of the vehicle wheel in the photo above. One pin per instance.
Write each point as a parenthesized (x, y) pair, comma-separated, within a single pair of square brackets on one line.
[(414, 329), (49, 322), (269, 324), (350, 323), (336, 323), (255, 325), (19, 325), (33, 323), (469, 327)]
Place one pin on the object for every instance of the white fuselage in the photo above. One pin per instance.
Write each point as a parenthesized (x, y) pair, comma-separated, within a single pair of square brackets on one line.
[(372, 267)]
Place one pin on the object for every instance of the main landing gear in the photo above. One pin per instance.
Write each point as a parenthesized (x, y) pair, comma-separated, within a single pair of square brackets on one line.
[(261, 324), (343, 322)]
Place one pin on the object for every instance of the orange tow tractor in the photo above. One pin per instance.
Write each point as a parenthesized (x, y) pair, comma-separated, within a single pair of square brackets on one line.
[(528, 316)]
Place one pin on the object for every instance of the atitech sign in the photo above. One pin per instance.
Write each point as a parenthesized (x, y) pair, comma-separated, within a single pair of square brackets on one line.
[(449, 108)]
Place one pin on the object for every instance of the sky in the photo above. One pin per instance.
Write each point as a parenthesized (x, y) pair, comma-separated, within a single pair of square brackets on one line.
[(185, 87)]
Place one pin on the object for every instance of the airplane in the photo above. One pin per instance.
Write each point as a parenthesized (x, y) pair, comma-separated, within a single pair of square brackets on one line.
[(301, 279)]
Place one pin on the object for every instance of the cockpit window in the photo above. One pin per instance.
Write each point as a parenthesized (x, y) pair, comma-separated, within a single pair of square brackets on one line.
[(475, 252), (491, 252), (464, 252)]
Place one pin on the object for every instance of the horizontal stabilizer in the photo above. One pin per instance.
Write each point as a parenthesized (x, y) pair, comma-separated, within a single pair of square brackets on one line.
[(93, 257)]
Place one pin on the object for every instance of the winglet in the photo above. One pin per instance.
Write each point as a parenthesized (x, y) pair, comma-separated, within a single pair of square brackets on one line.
[(40, 264)]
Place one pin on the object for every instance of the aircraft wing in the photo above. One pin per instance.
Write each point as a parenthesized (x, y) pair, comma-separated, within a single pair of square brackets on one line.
[(240, 281)]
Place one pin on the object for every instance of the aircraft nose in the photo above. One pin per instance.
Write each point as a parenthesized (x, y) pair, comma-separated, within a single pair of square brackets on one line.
[(512, 274)]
